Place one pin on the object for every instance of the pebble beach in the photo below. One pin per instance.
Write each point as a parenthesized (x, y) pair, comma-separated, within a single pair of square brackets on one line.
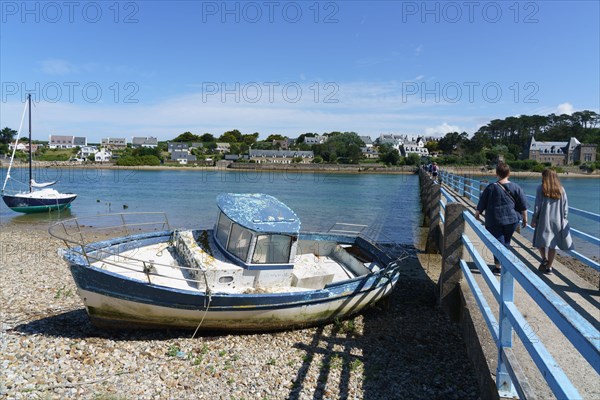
[(404, 348)]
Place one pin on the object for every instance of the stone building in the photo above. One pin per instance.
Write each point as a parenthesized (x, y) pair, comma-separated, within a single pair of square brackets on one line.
[(561, 153)]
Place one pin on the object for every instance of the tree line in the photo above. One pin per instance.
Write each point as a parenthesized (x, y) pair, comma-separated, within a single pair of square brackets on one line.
[(511, 136), (508, 137)]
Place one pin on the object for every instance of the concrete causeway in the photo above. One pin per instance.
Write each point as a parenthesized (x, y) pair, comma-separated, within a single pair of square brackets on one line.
[(580, 294)]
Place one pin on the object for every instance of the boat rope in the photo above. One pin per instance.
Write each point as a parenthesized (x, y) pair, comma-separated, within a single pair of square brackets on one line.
[(208, 297)]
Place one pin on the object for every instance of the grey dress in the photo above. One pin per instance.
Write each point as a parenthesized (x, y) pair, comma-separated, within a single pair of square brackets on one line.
[(552, 227)]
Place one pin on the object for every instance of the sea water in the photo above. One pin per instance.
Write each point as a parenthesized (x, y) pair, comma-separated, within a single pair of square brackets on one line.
[(387, 204)]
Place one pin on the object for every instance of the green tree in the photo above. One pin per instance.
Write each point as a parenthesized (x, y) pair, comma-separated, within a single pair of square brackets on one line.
[(413, 159), (451, 141), (388, 154), (187, 137), (275, 137), (207, 137), (432, 146), (341, 145), (7, 135), (250, 139), (232, 136)]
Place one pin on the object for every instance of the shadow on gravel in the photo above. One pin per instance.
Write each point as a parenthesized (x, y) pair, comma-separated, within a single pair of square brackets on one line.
[(408, 349), (76, 325)]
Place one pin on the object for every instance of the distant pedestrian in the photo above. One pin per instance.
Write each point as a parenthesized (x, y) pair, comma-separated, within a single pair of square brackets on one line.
[(549, 219), (503, 203), (434, 171)]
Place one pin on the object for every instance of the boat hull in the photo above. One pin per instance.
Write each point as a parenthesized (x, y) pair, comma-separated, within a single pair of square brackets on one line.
[(115, 301), (30, 205)]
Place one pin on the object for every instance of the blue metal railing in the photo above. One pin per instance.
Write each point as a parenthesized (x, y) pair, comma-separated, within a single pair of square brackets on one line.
[(473, 187), (581, 333)]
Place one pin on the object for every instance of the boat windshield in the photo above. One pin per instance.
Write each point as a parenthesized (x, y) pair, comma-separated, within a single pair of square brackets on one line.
[(272, 249), (223, 228), (239, 242)]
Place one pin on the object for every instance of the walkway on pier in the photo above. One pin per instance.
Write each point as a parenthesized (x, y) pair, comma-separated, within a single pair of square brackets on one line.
[(581, 295)]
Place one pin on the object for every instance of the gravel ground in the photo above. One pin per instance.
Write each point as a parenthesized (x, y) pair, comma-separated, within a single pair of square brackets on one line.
[(403, 349), (587, 273)]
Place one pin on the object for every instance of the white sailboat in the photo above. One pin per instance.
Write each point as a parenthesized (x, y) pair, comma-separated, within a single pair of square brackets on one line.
[(38, 197)]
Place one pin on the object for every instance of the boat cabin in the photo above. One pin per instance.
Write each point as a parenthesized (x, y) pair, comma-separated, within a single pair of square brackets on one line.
[(256, 231)]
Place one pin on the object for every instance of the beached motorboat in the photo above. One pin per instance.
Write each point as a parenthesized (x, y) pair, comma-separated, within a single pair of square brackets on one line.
[(255, 271)]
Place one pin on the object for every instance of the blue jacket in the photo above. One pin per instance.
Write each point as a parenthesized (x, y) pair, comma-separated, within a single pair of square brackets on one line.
[(500, 209)]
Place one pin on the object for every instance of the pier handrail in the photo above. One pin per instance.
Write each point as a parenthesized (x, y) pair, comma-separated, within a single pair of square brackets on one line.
[(582, 334), (475, 186)]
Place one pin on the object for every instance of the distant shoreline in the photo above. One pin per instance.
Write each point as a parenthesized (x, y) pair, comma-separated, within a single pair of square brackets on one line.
[(308, 168), (281, 168)]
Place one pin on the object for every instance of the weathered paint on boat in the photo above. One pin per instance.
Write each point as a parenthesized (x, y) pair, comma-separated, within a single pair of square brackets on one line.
[(115, 300)]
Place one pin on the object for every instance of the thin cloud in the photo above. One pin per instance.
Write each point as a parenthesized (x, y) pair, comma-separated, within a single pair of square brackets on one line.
[(565, 108), (442, 129), (57, 66)]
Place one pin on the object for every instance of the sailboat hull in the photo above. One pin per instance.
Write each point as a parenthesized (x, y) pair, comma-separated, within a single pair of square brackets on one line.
[(28, 204)]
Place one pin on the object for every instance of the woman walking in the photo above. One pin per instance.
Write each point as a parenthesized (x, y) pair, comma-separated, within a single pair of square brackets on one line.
[(550, 220), (502, 202)]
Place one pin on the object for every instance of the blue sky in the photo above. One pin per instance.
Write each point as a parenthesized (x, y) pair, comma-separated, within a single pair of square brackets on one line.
[(157, 68)]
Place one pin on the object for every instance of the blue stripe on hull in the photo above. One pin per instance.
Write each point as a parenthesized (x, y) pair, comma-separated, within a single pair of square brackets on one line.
[(115, 286)]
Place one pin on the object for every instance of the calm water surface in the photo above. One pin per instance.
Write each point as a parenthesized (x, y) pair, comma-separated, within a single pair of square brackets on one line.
[(389, 204)]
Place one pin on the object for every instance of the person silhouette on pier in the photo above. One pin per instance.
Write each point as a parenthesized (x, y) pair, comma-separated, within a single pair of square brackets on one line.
[(503, 203), (550, 220)]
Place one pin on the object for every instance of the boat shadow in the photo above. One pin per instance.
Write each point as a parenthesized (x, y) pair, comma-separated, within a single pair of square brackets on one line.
[(75, 324)]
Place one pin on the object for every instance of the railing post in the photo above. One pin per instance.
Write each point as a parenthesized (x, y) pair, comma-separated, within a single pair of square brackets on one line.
[(482, 186), (467, 188), (507, 290), (452, 251), (433, 206)]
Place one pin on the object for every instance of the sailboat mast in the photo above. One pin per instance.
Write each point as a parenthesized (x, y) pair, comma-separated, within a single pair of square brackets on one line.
[(29, 106)]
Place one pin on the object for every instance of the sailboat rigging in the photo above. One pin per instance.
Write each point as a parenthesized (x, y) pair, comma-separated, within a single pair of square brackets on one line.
[(41, 198)]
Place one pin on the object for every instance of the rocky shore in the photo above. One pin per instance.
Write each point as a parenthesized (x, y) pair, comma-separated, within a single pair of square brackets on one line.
[(403, 349)]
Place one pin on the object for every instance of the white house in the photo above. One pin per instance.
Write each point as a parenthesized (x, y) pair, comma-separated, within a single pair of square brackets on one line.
[(280, 156), (24, 146), (20, 146), (87, 151), (319, 139), (150, 142), (415, 146), (182, 156), (395, 140), (103, 155), (114, 143), (66, 142), (223, 147), (367, 141)]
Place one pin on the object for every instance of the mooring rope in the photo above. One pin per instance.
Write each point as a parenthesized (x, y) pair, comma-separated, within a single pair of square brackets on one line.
[(207, 305)]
